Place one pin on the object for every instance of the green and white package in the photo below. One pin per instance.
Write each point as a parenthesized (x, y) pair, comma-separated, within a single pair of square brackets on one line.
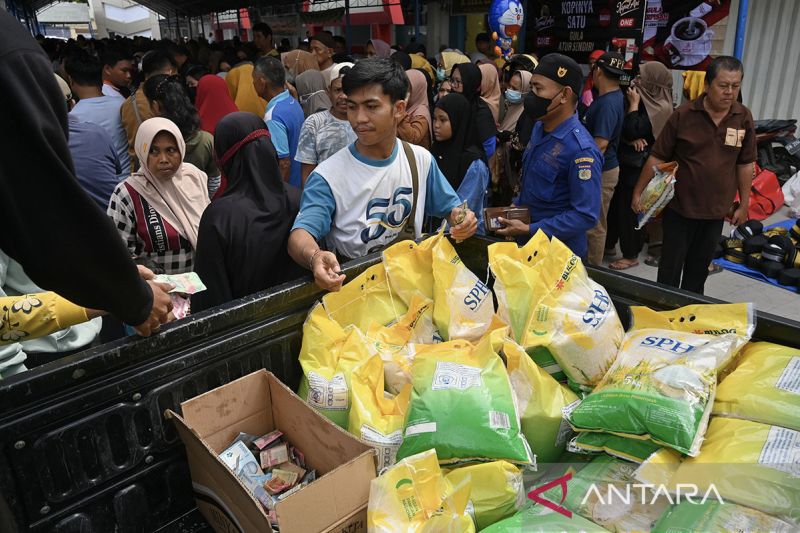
[(540, 519), (661, 387), (496, 491), (635, 450), (715, 516), (462, 406)]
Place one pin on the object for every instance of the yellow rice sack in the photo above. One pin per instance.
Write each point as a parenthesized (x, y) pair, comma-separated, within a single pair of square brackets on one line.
[(748, 463), (764, 387), (496, 490), (702, 319), (365, 300), (374, 417), (409, 268), (541, 401), (414, 496)]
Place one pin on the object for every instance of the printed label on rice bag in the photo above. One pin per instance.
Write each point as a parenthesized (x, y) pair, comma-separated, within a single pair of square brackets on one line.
[(386, 445), (782, 451), (499, 420), (565, 430), (328, 394), (455, 376), (790, 377)]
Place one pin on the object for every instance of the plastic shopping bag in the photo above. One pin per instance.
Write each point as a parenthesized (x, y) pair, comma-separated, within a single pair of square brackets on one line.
[(462, 405), (374, 417), (365, 300), (658, 193), (541, 401), (414, 496), (496, 490), (661, 387), (764, 387), (409, 268)]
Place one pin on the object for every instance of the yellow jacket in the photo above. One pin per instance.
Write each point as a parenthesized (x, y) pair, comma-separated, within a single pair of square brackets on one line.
[(35, 315)]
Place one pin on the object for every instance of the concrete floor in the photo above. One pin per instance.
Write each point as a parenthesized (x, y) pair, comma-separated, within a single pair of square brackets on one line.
[(733, 287)]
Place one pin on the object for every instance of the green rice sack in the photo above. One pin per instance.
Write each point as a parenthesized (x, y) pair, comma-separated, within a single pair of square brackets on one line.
[(635, 450), (540, 519), (714, 516)]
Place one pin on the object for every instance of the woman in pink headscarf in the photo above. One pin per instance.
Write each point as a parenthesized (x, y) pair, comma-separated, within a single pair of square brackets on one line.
[(378, 48), (415, 127), (490, 88)]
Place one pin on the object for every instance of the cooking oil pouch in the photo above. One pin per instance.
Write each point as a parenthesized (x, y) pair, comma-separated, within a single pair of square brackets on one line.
[(752, 464), (703, 319), (396, 343), (604, 492), (714, 516), (365, 300), (540, 519), (764, 387), (661, 388), (374, 417), (496, 490), (658, 193), (328, 356), (414, 496), (573, 318), (634, 450), (463, 305), (462, 405), (541, 401)]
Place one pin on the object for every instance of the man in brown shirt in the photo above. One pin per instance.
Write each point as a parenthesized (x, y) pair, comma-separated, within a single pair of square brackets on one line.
[(136, 109), (714, 142)]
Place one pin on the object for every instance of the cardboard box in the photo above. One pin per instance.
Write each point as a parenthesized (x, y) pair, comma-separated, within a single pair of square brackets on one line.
[(257, 404)]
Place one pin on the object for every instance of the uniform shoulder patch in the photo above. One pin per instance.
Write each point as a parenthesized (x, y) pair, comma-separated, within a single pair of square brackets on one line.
[(585, 174), (580, 160)]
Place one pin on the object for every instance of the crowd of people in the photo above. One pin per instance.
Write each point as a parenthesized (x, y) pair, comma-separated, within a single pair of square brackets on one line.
[(251, 164)]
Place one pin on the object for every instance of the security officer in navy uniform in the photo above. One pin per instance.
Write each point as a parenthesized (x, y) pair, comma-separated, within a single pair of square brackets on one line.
[(562, 166)]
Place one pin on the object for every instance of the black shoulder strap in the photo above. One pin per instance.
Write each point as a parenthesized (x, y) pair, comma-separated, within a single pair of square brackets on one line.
[(412, 162)]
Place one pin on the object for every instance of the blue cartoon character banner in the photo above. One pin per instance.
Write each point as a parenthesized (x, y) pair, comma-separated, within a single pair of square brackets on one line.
[(505, 21)]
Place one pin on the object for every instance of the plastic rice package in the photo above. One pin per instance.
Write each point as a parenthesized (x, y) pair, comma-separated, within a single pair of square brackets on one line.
[(396, 343), (704, 319), (541, 401), (409, 268), (661, 387), (603, 492), (365, 300), (715, 516), (658, 193), (573, 318), (328, 356), (496, 490), (414, 496), (462, 405), (764, 387), (634, 450), (540, 519), (748, 463), (374, 417)]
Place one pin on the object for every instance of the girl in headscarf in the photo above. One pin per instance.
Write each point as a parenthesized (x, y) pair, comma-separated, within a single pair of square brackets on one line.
[(466, 79), (157, 210), (649, 106), (241, 246), (461, 161), (447, 60), (168, 99), (312, 92), (415, 127), (298, 61), (378, 48), (508, 159), (213, 101), (490, 88)]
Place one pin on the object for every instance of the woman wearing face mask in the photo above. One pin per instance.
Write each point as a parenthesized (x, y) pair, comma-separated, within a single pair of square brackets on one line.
[(460, 159), (312, 92), (415, 127), (157, 210), (466, 79), (508, 159), (447, 60)]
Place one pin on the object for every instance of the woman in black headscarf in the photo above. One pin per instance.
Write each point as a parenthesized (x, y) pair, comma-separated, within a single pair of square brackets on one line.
[(241, 244), (466, 79), (461, 161)]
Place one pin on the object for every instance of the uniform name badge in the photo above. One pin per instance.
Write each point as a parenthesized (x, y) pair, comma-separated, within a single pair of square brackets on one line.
[(730, 137)]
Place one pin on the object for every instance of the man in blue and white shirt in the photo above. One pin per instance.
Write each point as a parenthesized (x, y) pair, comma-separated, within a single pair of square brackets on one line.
[(359, 199)]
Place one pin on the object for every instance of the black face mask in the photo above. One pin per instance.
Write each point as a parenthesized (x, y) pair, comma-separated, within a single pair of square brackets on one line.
[(535, 106)]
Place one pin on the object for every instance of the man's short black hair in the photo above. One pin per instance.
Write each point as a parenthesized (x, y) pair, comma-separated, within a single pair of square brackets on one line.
[(157, 60), (382, 71), (340, 39), (718, 64), (85, 70), (483, 37), (272, 69), (415, 48), (262, 28), (115, 54)]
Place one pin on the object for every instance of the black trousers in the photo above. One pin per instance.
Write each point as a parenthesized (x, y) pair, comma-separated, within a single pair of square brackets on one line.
[(688, 250), (622, 222)]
